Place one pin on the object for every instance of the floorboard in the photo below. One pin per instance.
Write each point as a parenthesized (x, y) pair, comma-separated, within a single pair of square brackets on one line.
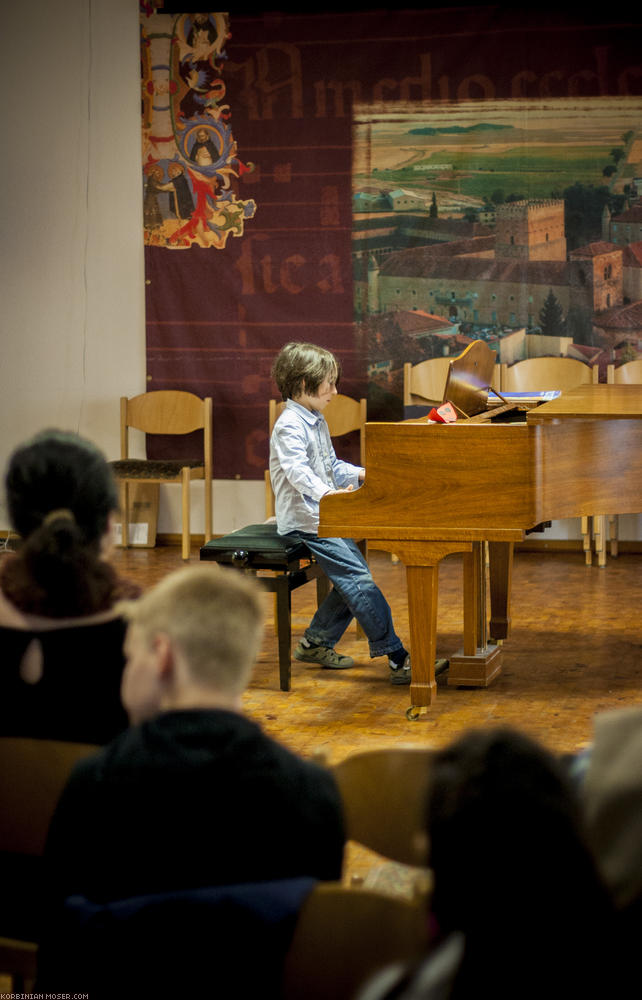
[(575, 649)]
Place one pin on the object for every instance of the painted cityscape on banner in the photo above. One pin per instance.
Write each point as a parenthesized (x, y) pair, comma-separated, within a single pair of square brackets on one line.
[(515, 222)]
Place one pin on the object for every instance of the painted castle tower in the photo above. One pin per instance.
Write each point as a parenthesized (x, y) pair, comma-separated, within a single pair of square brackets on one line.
[(531, 230)]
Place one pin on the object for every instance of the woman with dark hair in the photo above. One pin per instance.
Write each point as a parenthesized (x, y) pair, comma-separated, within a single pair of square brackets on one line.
[(62, 499), (513, 872), (61, 638), (518, 909)]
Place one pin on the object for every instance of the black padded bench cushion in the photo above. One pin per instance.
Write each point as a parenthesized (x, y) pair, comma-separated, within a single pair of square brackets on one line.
[(255, 546)]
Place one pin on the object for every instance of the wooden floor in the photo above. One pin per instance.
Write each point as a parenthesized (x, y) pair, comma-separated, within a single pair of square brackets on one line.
[(575, 649)]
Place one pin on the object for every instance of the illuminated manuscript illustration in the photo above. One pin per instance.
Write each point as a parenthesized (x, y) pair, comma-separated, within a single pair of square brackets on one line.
[(191, 168)]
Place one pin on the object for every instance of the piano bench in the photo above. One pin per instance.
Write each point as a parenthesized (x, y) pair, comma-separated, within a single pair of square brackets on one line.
[(258, 549)]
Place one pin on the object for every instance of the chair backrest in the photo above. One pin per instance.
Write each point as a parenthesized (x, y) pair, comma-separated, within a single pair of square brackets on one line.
[(343, 936), (343, 415), (33, 774), (166, 411), (384, 794), (540, 374), (630, 373), (425, 382)]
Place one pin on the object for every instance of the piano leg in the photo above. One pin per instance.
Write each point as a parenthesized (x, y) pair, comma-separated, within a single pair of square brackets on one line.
[(421, 560), (478, 663), (500, 557), (422, 613)]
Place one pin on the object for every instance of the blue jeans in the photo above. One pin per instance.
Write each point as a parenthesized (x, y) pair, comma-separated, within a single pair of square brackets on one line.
[(354, 595)]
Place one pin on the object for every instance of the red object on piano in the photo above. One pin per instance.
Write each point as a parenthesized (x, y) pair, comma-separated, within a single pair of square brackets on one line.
[(444, 414)]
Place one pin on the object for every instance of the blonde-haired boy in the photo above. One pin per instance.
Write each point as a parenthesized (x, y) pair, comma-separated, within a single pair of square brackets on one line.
[(194, 793)]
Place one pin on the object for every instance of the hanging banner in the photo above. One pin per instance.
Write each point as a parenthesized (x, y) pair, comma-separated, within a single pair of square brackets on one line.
[(262, 218)]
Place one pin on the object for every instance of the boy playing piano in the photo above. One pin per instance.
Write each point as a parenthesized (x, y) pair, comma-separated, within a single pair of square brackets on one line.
[(304, 468)]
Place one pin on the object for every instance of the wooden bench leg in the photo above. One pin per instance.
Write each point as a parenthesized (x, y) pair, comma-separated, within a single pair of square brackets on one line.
[(284, 629)]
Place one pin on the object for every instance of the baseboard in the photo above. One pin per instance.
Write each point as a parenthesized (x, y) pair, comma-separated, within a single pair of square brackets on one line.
[(570, 545), (528, 545)]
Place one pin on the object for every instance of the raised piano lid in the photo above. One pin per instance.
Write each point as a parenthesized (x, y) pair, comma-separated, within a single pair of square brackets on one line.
[(469, 378)]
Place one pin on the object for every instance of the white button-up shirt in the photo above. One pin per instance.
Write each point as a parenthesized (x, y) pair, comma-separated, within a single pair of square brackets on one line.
[(304, 467)]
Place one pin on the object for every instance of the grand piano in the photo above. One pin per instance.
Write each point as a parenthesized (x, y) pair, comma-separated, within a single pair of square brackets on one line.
[(435, 489)]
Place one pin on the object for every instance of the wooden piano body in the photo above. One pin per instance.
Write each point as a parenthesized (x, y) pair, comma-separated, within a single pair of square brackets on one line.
[(435, 489)]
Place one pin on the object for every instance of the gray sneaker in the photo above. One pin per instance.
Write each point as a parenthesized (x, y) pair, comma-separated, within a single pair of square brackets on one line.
[(324, 656), (400, 675)]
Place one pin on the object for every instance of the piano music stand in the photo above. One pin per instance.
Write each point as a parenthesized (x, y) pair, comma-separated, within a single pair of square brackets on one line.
[(468, 382)]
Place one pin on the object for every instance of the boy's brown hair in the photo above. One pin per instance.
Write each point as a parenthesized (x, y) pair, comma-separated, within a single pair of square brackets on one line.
[(301, 367)]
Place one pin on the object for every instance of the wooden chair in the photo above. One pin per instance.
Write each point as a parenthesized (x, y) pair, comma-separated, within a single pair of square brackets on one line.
[(344, 935), (629, 373), (384, 795), (33, 774), (539, 374), (166, 412), (533, 374), (424, 383)]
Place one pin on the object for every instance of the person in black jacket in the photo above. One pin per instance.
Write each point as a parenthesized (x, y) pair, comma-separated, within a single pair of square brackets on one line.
[(194, 793)]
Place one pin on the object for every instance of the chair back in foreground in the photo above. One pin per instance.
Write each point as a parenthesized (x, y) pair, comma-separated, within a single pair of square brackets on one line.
[(171, 412), (384, 795), (33, 774), (344, 935)]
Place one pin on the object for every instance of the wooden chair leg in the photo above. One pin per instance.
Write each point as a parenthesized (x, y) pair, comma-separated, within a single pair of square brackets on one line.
[(208, 510), (124, 517), (186, 546), (599, 532), (613, 534), (586, 539)]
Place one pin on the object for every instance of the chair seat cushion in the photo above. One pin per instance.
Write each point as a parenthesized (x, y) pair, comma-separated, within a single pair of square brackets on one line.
[(142, 468), (255, 545)]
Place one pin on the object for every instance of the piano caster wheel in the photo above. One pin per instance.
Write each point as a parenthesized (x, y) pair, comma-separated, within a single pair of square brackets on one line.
[(414, 712)]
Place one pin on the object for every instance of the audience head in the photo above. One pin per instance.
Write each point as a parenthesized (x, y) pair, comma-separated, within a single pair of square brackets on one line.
[(511, 866), (301, 367), (61, 495), (192, 641)]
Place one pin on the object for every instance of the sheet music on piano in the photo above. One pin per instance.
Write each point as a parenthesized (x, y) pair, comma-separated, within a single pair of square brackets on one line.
[(534, 398)]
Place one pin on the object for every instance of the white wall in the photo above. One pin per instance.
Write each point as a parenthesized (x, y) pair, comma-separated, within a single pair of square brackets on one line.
[(71, 250)]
